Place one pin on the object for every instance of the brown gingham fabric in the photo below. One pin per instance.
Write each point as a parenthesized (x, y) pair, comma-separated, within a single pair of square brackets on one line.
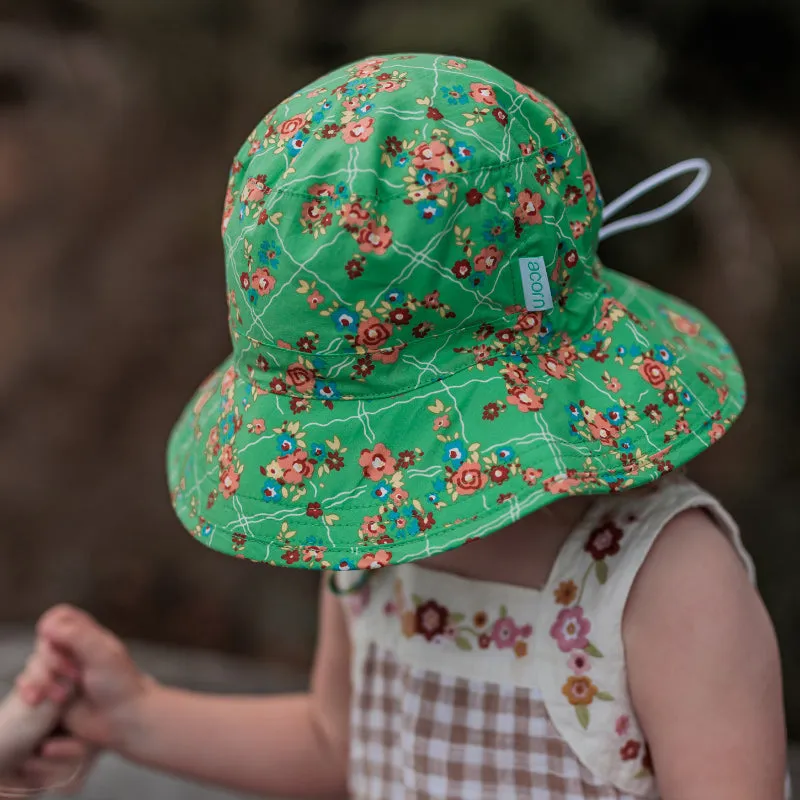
[(417, 734)]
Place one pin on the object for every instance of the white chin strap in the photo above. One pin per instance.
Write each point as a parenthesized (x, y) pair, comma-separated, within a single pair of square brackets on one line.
[(697, 165)]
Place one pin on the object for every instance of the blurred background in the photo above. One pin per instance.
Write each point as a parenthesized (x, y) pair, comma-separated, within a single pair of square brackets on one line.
[(118, 121)]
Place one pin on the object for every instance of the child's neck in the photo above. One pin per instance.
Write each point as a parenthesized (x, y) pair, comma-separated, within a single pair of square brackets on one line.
[(522, 554)]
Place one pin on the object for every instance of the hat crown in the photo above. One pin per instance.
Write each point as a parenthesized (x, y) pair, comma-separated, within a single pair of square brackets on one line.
[(378, 225)]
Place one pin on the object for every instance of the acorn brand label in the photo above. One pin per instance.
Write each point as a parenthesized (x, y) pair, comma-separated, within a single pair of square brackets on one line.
[(535, 284)]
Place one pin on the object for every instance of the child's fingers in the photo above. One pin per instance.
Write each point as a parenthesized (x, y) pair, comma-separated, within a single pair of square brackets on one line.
[(66, 748), (46, 674), (56, 661), (34, 683), (76, 633)]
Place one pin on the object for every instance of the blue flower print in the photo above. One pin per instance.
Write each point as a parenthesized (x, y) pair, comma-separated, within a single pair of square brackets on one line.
[(207, 529), (345, 320), (365, 109), (269, 254), (402, 159), (463, 152), (477, 279), (621, 351), (511, 192), (686, 397), (626, 445), (546, 333), (252, 296), (286, 444), (664, 355), (227, 428), (495, 231), (504, 454), (326, 390), (574, 412), (438, 487), (616, 415), (425, 177), (395, 296), (552, 159), (318, 451), (404, 523), (591, 344), (360, 86), (455, 95), (296, 144), (429, 210), (326, 105), (381, 491), (271, 491), (318, 117), (455, 453)]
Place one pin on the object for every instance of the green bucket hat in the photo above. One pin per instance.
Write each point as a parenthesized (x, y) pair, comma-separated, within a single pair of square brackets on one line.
[(426, 346)]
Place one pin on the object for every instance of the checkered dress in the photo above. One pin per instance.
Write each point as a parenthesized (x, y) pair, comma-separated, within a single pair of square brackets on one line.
[(467, 690)]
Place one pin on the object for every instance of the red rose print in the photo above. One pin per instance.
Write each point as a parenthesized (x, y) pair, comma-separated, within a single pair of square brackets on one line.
[(654, 373), (469, 478), (291, 126), (373, 333), (300, 377)]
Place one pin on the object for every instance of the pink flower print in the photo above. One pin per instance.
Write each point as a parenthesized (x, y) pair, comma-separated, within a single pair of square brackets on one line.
[(359, 130), (428, 155), (366, 68), (623, 724), (579, 662), (314, 299), (505, 633), (374, 238), (483, 93), (571, 629)]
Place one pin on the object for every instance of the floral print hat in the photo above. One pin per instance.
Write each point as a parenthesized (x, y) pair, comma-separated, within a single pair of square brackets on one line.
[(426, 346)]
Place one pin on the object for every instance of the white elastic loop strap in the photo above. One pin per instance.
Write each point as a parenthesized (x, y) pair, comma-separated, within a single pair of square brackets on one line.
[(698, 165)]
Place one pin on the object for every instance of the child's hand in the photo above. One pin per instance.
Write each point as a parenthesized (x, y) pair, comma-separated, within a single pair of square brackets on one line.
[(74, 652), (60, 764)]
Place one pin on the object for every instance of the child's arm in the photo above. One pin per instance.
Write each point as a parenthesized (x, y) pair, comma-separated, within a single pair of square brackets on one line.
[(293, 746), (704, 669)]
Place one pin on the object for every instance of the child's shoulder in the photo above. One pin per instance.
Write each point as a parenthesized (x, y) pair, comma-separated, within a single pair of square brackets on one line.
[(701, 655)]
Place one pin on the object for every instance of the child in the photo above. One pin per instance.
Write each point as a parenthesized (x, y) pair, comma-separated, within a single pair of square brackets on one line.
[(426, 351)]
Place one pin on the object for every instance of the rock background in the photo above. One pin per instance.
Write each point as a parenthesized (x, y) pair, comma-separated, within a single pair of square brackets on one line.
[(118, 120)]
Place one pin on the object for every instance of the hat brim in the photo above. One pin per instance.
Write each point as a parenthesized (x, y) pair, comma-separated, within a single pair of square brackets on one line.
[(367, 483)]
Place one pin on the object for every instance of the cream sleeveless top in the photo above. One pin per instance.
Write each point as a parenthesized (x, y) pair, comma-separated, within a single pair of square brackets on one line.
[(465, 690)]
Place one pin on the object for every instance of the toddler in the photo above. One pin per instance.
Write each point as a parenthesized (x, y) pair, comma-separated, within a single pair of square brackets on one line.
[(441, 399)]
